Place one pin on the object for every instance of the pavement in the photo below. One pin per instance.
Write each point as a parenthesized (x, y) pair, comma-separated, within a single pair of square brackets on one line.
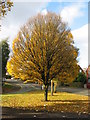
[(80, 91)]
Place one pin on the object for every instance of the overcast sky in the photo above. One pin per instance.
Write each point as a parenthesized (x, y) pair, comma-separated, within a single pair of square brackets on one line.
[(74, 13)]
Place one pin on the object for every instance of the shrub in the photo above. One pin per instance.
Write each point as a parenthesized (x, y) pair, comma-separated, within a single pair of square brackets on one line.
[(81, 78)]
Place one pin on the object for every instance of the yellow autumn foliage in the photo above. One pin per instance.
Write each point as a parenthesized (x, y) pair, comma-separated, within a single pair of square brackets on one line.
[(44, 50)]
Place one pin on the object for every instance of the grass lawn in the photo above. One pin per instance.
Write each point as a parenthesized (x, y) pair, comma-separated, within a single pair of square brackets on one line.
[(59, 102)]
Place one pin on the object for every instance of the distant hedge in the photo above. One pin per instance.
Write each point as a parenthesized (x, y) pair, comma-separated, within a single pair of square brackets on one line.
[(81, 78), (77, 84)]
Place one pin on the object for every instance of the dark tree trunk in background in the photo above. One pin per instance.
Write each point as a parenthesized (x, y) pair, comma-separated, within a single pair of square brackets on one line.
[(46, 92)]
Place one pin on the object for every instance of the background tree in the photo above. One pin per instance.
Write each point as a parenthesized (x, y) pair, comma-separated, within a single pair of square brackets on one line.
[(81, 78), (5, 6), (5, 55), (44, 50)]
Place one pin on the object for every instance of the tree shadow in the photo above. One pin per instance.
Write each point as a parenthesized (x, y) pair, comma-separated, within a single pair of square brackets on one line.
[(73, 101), (18, 112), (46, 112)]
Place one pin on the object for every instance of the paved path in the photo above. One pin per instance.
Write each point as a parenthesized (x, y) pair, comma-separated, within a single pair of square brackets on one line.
[(81, 91)]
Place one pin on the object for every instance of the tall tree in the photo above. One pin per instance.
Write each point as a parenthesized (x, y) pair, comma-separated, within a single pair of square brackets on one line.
[(44, 50), (5, 55)]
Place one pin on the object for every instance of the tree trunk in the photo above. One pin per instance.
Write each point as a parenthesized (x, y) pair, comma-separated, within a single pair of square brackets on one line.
[(51, 88), (41, 87), (46, 92), (55, 88), (3, 81)]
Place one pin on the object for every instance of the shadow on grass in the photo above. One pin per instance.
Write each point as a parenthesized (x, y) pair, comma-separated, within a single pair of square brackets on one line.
[(65, 110), (71, 101)]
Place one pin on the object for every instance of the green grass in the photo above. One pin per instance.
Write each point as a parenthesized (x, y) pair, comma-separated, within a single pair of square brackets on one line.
[(7, 87), (59, 102)]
